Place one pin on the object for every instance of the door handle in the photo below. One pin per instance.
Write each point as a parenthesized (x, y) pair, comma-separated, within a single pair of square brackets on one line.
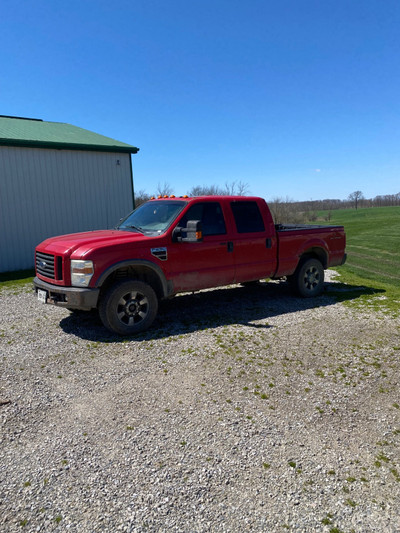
[(268, 243), (229, 245)]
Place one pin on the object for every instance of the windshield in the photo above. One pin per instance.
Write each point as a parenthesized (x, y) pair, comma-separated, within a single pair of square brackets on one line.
[(153, 217)]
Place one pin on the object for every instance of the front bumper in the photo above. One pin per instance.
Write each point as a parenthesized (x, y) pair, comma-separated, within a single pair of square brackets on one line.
[(70, 297)]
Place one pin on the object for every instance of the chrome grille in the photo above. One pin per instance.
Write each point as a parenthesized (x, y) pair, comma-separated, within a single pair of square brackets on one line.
[(45, 265)]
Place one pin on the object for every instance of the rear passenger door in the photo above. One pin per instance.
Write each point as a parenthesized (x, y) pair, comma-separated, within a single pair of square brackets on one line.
[(254, 242)]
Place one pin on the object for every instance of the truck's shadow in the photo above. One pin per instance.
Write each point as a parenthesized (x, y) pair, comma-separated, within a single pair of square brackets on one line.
[(251, 305)]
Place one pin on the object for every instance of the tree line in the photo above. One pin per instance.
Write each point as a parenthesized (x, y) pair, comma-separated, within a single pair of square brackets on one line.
[(287, 210), (284, 210), (357, 199), (235, 188)]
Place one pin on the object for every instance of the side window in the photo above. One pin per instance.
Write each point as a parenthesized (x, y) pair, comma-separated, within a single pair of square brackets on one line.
[(211, 216), (247, 217)]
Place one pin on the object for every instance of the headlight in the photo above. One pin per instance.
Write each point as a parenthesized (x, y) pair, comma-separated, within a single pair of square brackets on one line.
[(81, 272)]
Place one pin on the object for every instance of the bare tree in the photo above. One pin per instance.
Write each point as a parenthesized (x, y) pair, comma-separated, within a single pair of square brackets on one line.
[(141, 197), (164, 189), (285, 211), (205, 190), (355, 197), (236, 188)]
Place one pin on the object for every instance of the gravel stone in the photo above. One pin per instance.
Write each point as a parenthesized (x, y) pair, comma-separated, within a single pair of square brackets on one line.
[(242, 409)]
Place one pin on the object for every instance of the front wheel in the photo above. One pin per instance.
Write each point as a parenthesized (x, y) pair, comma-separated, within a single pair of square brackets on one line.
[(128, 307), (308, 280)]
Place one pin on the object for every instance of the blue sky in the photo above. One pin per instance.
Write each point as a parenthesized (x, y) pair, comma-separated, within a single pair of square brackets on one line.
[(299, 99)]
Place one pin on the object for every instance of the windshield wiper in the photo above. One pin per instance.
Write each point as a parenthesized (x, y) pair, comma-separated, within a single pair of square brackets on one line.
[(131, 226)]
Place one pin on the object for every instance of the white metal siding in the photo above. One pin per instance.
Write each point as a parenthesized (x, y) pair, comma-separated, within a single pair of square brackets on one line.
[(46, 192)]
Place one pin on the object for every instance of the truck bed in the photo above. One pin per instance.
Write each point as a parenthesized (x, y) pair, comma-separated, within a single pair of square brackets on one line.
[(302, 227), (325, 242)]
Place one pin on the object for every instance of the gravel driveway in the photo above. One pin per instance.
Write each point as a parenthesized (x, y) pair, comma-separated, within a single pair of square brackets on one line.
[(242, 409)]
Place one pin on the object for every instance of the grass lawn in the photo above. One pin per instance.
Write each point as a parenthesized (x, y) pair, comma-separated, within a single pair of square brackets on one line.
[(13, 279), (373, 249)]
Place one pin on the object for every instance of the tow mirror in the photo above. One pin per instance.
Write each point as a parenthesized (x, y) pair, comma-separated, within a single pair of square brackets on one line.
[(192, 233)]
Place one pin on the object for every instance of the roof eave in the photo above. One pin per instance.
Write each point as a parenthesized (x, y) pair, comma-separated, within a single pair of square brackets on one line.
[(69, 146)]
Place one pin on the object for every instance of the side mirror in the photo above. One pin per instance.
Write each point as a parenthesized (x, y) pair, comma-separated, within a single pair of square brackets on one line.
[(192, 233)]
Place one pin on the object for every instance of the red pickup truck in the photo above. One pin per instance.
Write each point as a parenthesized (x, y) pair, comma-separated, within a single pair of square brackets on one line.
[(170, 245)]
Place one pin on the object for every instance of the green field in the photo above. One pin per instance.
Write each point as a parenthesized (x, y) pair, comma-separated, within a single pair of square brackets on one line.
[(373, 249), (373, 242), (13, 279)]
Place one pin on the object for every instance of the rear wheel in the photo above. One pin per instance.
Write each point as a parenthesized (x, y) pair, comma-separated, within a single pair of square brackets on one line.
[(128, 307), (308, 280)]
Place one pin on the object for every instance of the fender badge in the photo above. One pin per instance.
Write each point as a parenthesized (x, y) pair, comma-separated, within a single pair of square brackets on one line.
[(160, 253)]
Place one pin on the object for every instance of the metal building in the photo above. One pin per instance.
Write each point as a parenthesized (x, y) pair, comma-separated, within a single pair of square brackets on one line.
[(57, 178)]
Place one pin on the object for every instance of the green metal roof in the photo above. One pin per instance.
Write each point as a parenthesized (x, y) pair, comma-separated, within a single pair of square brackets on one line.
[(16, 131)]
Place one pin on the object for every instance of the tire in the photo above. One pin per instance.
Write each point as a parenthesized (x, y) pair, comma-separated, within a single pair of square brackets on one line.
[(128, 307), (308, 280)]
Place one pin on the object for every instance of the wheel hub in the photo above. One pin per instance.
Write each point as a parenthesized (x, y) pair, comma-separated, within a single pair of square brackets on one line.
[(311, 278), (132, 307)]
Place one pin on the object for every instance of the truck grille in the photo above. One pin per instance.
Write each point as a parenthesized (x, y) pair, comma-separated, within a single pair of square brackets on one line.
[(48, 265)]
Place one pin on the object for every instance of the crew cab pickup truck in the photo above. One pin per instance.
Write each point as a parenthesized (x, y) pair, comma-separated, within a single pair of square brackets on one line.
[(171, 245)]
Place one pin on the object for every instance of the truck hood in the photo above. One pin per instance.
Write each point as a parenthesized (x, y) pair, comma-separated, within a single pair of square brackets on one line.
[(88, 241)]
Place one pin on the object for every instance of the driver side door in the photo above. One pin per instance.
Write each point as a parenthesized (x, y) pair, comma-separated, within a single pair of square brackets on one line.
[(209, 263)]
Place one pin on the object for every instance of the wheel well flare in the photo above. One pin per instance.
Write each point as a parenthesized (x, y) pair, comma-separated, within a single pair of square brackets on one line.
[(138, 272), (316, 253)]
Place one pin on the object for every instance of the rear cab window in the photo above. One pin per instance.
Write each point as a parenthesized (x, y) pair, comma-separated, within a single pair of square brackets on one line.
[(247, 217)]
